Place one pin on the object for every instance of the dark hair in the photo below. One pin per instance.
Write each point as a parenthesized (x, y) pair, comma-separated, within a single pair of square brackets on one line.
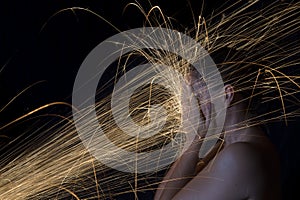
[(246, 77)]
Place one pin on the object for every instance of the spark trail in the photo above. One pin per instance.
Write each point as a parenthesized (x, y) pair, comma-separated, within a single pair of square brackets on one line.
[(258, 47)]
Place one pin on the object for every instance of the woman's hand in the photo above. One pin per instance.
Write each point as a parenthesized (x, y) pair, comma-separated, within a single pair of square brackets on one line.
[(196, 109), (200, 91)]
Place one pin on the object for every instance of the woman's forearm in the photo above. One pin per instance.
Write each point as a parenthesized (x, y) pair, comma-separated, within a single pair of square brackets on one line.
[(180, 173)]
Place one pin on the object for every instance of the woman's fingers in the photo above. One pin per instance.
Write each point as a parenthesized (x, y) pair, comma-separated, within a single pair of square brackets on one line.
[(206, 107), (200, 91)]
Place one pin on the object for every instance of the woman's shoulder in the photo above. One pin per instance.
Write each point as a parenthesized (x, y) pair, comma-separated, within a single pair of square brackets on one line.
[(241, 149), (254, 146), (248, 156), (249, 164), (243, 155)]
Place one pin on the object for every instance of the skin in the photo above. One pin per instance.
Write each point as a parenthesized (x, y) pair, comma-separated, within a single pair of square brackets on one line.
[(246, 168)]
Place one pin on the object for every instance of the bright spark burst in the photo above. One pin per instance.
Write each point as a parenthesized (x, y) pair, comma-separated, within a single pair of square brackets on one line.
[(61, 166)]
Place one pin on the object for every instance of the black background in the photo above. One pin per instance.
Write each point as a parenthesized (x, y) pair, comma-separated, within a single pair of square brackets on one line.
[(35, 47)]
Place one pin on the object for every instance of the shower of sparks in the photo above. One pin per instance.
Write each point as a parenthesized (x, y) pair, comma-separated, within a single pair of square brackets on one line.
[(61, 166)]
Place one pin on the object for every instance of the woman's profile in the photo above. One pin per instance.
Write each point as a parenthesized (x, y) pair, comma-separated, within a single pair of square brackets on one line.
[(245, 166)]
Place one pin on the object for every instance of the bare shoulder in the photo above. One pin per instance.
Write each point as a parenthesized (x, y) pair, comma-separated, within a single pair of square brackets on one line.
[(251, 166), (247, 159), (243, 153), (241, 160), (240, 171), (248, 154)]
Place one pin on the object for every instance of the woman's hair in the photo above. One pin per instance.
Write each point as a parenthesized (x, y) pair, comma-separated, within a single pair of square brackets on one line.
[(246, 77)]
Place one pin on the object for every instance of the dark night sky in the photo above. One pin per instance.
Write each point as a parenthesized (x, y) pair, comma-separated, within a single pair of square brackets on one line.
[(54, 54)]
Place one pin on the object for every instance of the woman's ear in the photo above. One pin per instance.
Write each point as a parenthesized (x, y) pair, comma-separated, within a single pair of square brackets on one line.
[(229, 94)]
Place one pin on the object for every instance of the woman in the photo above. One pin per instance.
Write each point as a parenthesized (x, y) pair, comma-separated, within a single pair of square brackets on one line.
[(246, 167)]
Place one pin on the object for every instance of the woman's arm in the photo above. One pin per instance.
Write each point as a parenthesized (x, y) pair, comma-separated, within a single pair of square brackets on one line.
[(185, 168), (181, 172)]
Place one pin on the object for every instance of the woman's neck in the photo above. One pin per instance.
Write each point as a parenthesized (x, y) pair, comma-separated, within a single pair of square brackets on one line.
[(237, 127)]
